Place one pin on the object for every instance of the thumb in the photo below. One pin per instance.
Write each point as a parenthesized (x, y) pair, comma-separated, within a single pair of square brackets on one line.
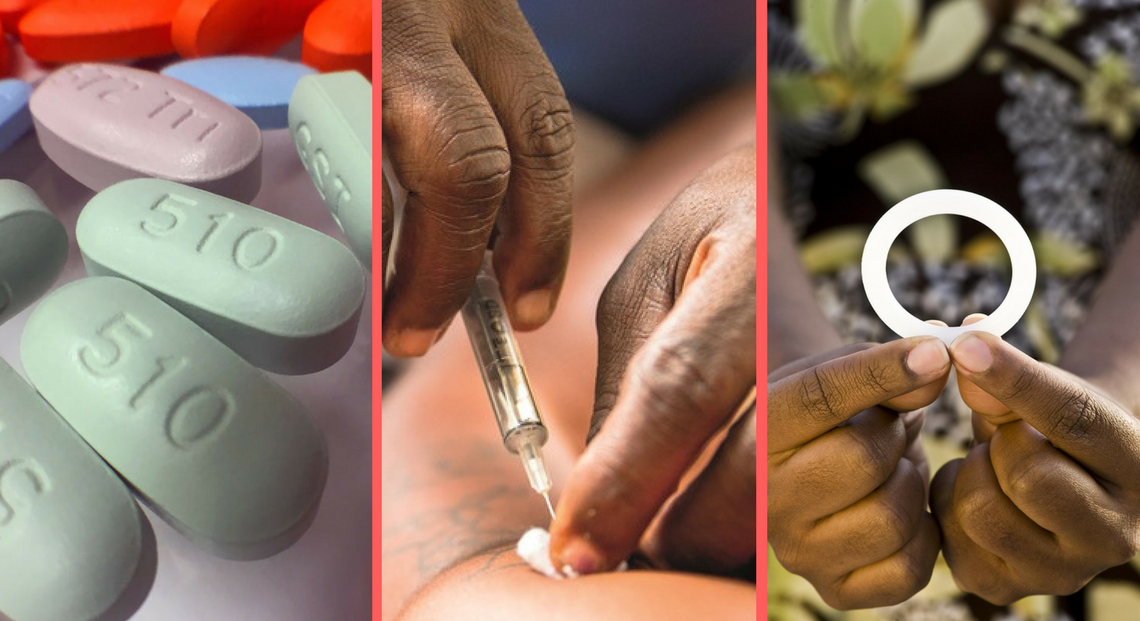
[(686, 379)]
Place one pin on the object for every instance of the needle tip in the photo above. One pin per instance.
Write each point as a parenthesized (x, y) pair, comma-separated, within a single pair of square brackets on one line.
[(549, 507)]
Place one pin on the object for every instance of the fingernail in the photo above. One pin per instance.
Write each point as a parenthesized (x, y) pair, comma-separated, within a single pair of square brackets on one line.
[(973, 318), (534, 307), (972, 353), (414, 342), (927, 357), (580, 557)]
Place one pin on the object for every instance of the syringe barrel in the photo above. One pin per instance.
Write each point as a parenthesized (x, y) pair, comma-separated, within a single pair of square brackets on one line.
[(500, 363)]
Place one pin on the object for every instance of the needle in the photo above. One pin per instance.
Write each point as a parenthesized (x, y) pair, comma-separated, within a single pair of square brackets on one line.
[(549, 507)]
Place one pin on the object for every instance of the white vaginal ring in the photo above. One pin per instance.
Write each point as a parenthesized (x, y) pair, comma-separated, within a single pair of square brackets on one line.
[(958, 203)]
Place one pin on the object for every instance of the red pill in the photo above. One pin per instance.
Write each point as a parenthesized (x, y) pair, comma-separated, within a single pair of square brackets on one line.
[(3, 54), (338, 36), (12, 10), (256, 27), (63, 31)]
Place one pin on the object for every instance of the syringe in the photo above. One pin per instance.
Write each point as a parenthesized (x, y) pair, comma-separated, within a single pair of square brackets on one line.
[(500, 363)]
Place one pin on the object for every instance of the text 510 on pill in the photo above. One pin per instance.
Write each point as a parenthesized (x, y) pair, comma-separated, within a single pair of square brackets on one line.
[(102, 124), (71, 536), (226, 456), (285, 297), (330, 116), (33, 248)]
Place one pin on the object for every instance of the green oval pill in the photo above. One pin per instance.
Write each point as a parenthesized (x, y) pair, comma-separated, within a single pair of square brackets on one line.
[(226, 456), (330, 117), (33, 248), (285, 297), (71, 537)]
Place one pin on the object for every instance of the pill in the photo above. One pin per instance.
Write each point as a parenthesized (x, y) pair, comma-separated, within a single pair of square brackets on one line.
[(33, 249), (258, 86), (12, 10), (330, 117), (338, 36), (260, 27), (283, 296), (4, 53), (220, 452), (71, 536), (102, 124), (63, 31), (15, 119)]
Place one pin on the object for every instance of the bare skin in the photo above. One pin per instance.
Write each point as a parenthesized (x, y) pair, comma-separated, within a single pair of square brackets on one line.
[(480, 134), (1046, 499), (454, 500)]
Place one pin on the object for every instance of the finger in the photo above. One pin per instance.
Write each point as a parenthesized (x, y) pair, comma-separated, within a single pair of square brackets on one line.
[(651, 279), (983, 429), (876, 526), (913, 422), (534, 226), (1055, 492), (711, 526), (806, 363), (974, 569), (809, 403), (448, 151), (990, 519), (1083, 423), (388, 226), (683, 385), (839, 468), (923, 396), (978, 400), (894, 579)]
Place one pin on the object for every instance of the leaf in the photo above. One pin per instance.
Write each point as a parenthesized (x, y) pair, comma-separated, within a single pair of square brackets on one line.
[(786, 611), (1039, 334), (1035, 607), (817, 30), (939, 451), (1112, 601), (900, 170), (834, 248), (934, 238), (954, 31), (986, 249), (878, 30), (1063, 257), (797, 94)]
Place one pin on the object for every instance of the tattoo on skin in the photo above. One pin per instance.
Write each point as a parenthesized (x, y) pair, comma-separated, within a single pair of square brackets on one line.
[(461, 501)]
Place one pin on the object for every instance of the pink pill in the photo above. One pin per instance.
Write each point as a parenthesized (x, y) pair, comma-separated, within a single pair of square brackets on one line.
[(103, 124)]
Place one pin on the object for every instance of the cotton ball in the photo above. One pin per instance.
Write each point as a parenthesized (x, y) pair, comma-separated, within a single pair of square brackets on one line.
[(534, 548)]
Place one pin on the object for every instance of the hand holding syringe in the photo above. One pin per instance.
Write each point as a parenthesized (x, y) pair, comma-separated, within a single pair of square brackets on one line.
[(501, 367)]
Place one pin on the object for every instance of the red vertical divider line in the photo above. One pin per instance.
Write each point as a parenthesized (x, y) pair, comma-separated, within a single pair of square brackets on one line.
[(762, 308), (377, 314)]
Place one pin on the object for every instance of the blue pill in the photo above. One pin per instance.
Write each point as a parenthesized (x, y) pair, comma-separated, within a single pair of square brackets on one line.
[(15, 119), (259, 87)]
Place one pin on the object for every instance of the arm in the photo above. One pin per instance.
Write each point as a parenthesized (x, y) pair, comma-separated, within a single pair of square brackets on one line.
[(451, 493), (796, 326), (488, 587), (1106, 349)]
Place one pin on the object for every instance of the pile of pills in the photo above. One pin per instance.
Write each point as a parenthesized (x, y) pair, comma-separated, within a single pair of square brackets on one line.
[(146, 377)]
